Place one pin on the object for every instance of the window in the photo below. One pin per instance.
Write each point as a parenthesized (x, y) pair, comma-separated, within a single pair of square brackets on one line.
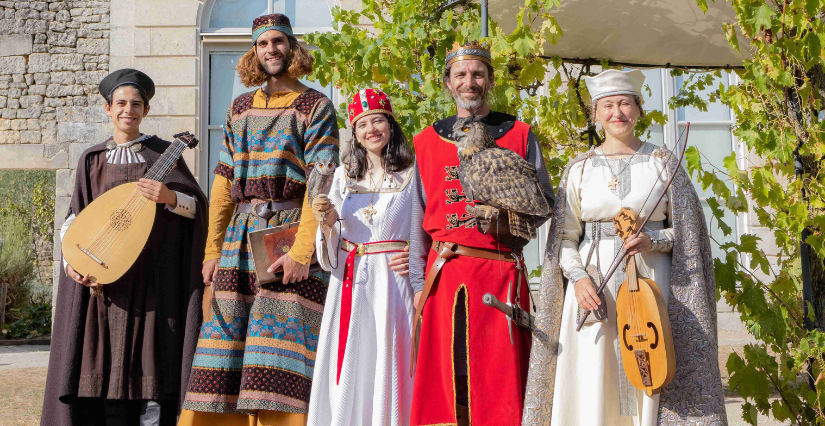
[(226, 37), (235, 16)]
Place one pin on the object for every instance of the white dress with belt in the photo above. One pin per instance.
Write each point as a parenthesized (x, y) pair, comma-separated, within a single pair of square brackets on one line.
[(375, 387), (590, 385)]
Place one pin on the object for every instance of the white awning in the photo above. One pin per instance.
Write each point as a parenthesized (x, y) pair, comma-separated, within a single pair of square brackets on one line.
[(641, 33)]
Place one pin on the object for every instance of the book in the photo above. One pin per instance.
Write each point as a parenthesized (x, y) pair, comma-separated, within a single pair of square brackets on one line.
[(268, 245)]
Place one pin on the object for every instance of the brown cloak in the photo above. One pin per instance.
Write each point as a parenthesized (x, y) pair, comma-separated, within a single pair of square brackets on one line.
[(138, 340), (695, 395)]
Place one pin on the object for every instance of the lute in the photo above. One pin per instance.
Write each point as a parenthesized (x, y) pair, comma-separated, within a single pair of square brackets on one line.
[(107, 237)]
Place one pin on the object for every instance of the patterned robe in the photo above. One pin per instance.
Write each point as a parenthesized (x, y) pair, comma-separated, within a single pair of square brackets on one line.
[(258, 350)]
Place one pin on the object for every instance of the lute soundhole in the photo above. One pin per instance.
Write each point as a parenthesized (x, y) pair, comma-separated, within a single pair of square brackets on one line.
[(121, 219)]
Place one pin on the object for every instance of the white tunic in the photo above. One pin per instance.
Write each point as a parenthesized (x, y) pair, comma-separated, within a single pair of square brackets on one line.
[(588, 372), (375, 386)]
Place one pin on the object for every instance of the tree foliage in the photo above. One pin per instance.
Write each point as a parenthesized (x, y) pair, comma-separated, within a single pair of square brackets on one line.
[(403, 53), (778, 106)]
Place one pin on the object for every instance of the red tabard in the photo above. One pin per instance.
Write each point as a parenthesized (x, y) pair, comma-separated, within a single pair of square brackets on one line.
[(497, 369)]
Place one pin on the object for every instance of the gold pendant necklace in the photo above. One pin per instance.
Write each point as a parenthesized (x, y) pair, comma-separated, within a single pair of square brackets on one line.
[(369, 211)]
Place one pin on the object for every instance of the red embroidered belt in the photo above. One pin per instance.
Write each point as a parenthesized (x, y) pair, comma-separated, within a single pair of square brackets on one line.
[(356, 250)]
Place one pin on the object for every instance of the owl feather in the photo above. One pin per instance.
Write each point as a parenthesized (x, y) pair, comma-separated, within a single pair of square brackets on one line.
[(498, 177)]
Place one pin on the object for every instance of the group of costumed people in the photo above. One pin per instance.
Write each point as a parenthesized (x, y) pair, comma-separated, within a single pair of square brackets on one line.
[(392, 329)]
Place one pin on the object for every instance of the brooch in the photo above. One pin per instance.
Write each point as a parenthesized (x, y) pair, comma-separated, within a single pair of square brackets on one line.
[(135, 147)]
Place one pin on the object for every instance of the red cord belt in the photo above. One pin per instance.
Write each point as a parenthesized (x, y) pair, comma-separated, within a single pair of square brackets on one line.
[(356, 250)]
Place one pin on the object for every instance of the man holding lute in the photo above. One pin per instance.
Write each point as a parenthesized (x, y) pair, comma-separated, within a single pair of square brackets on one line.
[(121, 350)]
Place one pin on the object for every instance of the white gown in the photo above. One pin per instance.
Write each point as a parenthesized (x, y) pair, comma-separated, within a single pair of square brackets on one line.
[(375, 386), (588, 382)]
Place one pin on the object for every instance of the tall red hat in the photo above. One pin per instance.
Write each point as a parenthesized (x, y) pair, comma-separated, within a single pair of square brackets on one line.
[(368, 101)]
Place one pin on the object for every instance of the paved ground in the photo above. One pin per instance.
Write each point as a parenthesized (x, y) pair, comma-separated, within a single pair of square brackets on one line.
[(14, 357), (23, 375)]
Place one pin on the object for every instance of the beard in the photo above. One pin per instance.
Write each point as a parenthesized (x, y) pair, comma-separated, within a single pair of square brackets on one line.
[(469, 104), (277, 69)]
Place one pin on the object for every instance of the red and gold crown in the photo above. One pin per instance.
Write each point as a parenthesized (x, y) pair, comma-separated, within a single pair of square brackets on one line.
[(368, 101), (471, 50)]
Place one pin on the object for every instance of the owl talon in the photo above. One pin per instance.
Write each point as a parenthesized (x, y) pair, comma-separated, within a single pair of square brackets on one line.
[(482, 212)]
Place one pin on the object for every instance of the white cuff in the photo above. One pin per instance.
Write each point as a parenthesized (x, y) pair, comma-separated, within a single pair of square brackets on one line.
[(187, 206)]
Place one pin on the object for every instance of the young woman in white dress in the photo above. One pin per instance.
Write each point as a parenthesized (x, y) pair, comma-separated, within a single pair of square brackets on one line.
[(362, 369), (591, 388)]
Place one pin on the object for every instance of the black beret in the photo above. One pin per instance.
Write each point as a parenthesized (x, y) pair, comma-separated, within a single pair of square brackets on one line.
[(127, 76)]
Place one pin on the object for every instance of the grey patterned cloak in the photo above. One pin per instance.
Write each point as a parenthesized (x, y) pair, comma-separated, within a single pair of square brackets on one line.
[(695, 396)]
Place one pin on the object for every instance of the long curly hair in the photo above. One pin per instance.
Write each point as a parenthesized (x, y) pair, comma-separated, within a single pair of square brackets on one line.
[(253, 74), (397, 153)]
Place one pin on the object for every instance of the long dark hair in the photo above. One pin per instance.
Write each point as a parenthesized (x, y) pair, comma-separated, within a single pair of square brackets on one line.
[(397, 153)]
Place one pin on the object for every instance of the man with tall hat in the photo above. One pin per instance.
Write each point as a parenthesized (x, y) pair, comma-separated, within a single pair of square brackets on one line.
[(471, 364), (256, 353), (120, 353)]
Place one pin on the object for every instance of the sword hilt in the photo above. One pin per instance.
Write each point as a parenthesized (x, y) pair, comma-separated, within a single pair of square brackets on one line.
[(493, 302)]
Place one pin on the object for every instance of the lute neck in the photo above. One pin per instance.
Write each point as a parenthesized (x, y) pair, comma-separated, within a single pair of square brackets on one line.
[(164, 164)]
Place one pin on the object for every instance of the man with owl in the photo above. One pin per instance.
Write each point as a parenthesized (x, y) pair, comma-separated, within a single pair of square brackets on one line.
[(468, 368)]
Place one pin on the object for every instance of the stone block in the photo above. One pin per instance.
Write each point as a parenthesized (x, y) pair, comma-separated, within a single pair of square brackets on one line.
[(9, 137), (166, 42), (90, 77), (76, 149), (39, 63), (57, 90), (30, 136), (64, 184), (12, 65), (171, 71), (31, 100), (48, 136), (163, 13), (119, 62), (37, 89), (61, 207), (62, 77), (62, 39), (27, 14), (67, 62), (30, 157), (82, 132), (165, 127), (19, 125), (15, 44), (97, 114), (5, 124), (175, 101), (92, 47), (33, 124), (34, 26), (30, 112)]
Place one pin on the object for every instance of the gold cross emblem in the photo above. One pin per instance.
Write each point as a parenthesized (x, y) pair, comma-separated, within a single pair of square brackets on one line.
[(613, 183), (369, 211)]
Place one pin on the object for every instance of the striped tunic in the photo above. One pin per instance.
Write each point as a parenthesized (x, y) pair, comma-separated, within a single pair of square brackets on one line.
[(257, 352)]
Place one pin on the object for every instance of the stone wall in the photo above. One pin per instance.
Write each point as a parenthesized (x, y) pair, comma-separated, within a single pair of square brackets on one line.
[(52, 56)]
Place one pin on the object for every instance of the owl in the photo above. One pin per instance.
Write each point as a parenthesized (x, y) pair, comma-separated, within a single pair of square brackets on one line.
[(498, 177), (320, 178)]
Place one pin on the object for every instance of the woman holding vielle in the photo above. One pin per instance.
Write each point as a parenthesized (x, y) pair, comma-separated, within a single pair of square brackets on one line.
[(364, 347), (585, 369)]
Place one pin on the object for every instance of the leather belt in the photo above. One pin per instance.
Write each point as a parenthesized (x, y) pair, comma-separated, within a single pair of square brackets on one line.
[(356, 250), (267, 209), (447, 250)]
